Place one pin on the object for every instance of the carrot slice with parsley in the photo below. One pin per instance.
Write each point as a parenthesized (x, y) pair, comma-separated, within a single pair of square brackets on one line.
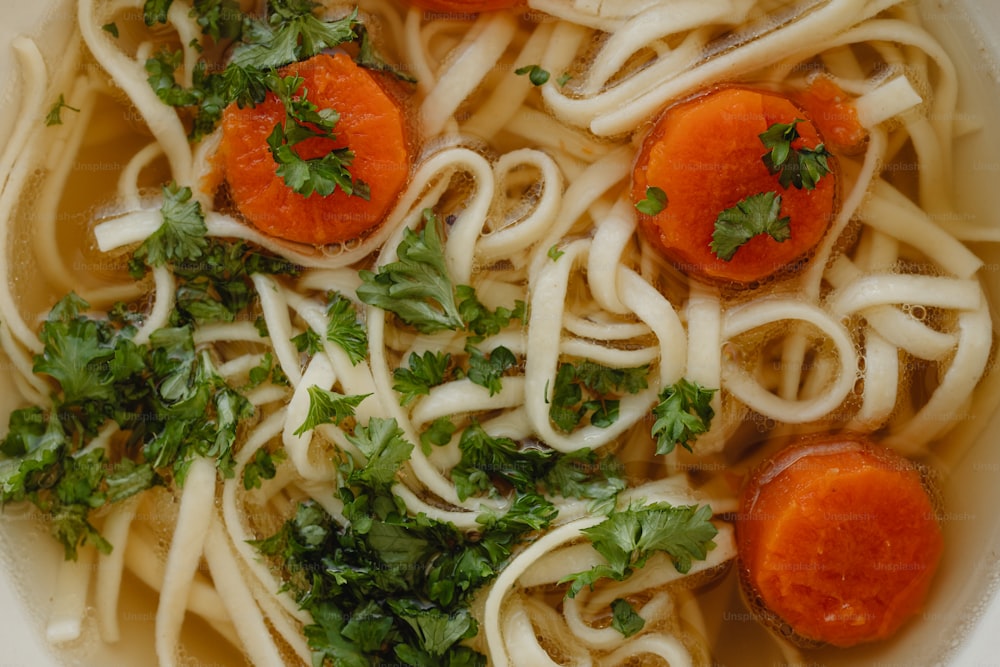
[(710, 202), (470, 7), (839, 539), (371, 124)]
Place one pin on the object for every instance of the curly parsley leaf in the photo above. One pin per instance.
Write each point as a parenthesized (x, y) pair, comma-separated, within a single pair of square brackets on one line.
[(684, 411), (308, 342), (585, 474), (219, 19), (326, 407), (800, 167), (421, 374), (654, 202), (627, 539), (751, 216), (416, 287), (625, 619), (344, 329), (479, 320)]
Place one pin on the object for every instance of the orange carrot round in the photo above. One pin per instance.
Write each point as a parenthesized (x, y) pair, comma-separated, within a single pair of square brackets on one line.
[(838, 539), (831, 109), (470, 6), (372, 125), (705, 155)]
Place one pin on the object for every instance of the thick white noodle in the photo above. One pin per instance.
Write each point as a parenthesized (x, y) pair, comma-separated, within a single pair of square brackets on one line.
[(111, 567), (69, 604), (197, 507)]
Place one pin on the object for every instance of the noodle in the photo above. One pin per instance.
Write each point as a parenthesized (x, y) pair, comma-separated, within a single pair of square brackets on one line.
[(573, 330)]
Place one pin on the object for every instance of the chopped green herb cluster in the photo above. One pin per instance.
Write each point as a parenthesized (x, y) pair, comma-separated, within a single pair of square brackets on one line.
[(589, 390), (684, 411)]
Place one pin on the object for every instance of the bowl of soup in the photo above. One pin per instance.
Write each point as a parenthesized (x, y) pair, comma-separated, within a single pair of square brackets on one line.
[(499, 333)]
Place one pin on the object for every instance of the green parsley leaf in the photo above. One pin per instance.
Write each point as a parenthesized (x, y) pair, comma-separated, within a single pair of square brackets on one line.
[(262, 466), (585, 474), (436, 630), (438, 433), (487, 369), (655, 201), (386, 448), (485, 458), (308, 342), (111, 28), (564, 78), (753, 215), (219, 19), (370, 58), (629, 537), (480, 320), (801, 167), (625, 619), (423, 372), (537, 75), (181, 236), (54, 117), (416, 287), (555, 253), (155, 11), (684, 411), (327, 407), (589, 388), (345, 330), (291, 34)]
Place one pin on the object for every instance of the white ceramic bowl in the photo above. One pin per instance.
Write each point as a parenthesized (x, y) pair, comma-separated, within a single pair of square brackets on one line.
[(961, 623)]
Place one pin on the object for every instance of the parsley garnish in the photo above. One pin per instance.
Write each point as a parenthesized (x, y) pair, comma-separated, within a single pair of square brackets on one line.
[(555, 253), (625, 619), (423, 372), (537, 75), (262, 466), (345, 330), (181, 236), (801, 167), (327, 407), (303, 121), (290, 34), (417, 286), (684, 411), (629, 537), (754, 215), (54, 117), (155, 11), (111, 28), (587, 388), (655, 201), (487, 369)]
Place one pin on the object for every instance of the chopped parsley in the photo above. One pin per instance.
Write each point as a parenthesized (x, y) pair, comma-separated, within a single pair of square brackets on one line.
[(344, 329), (750, 217), (684, 411), (537, 75), (627, 539), (422, 373), (655, 201), (799, 167), (587, 390), (625, 619), (54, 116)]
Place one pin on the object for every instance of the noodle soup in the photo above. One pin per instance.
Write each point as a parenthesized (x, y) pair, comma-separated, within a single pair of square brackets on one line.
[(573, 332)]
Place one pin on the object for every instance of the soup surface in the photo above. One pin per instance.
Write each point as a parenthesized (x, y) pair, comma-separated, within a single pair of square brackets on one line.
[(405, 334)]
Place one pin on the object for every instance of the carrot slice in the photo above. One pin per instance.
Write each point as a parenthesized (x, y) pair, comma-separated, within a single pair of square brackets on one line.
[(831, 109), (470, 7), (706, 154), (372, 124), (838, 538)]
